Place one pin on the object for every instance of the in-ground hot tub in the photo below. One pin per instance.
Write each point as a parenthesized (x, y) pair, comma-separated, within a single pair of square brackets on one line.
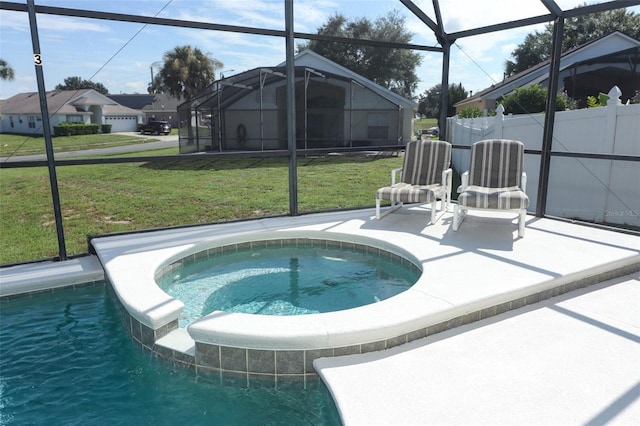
[(287, 276), (262, 346)]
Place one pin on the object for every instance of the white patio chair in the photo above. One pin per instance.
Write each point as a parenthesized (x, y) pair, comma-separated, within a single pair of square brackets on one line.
[(495, 181), (425, 178)]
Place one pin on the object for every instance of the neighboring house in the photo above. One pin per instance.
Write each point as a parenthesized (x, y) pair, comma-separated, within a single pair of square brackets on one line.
[(335, 107), (587, 70), (21, 113), (155, 107)]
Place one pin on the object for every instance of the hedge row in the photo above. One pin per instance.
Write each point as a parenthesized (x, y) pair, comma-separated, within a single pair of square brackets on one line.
[(74, 129)]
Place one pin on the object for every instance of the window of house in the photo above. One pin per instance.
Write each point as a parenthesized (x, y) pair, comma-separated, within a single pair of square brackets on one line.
[(31, 119), (74, 119), (377, 125)]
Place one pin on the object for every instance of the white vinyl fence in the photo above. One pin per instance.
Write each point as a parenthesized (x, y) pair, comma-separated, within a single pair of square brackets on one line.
[(604, 191)]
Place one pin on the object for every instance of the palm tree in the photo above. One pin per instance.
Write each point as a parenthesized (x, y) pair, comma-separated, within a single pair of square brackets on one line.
[(187, 71), (6, 72)]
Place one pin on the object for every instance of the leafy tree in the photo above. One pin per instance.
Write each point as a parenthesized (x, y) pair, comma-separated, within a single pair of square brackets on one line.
[(579, 30), (532, 99), (186, 72), (157, 86), (6, 72), (388, 67), (429, 103), (77, 83)]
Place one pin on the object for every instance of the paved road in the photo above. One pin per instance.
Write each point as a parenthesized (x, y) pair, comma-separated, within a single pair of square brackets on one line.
[(168, 141)]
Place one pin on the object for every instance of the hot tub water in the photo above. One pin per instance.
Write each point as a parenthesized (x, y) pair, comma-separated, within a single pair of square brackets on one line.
[(287, 280)]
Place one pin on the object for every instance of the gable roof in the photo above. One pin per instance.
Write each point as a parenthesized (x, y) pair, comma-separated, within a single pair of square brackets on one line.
[(64, 102), (312, 59), (615, 42), (236, 86)]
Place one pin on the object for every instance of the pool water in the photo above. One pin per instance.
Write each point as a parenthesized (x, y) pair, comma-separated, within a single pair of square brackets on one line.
[(67, 360), (287, 280)]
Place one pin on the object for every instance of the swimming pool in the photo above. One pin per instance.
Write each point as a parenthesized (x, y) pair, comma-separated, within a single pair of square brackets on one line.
[(288, 279), (66, 359)]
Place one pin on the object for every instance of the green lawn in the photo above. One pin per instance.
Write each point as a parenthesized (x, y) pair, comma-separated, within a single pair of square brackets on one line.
[(425, 123), (99, 199)]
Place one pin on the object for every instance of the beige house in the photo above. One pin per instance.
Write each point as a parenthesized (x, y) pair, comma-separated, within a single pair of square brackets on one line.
[(21, 113)]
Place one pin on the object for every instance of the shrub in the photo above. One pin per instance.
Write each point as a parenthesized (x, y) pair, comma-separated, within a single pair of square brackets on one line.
[(470, 112), (601, 100), (105, 128), (592, 102), (533, 99), (74, 129)]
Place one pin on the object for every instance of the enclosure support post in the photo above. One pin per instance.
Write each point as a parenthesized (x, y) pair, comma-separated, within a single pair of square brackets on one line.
[(306, 101), (263, 79), (219, 118), (351, 115), (46, 129), (549, 117), (444, 90), (291, 108)]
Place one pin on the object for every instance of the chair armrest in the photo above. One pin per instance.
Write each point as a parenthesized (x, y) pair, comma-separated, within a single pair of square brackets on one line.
[(464, 181), (447, 177), (523, 182), (393, 175)]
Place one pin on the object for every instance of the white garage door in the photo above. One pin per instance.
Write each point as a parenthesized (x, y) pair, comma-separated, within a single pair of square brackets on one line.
[(122, 124)]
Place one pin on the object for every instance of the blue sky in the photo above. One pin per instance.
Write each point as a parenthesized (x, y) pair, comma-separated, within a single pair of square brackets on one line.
[(120, 55)]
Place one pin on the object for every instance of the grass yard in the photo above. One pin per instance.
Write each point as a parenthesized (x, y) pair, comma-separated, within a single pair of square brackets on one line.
[(98, 199), (425, 123)]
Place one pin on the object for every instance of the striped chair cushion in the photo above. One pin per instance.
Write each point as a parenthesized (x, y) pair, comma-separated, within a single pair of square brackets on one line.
[(495, 176), (496, 163), (407, 193), (494, 198), (424, 162)]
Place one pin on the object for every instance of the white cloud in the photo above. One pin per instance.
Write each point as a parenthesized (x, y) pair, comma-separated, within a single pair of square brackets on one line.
[(14, 21), (310, 14), (66, 24), (256, 13)]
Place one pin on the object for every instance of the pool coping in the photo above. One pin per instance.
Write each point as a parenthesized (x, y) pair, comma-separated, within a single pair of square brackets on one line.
[(32, 278)]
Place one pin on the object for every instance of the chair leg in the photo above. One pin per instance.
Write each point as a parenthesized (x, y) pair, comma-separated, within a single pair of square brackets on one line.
[(448, 200), (456, 217), (433, 211), (393, 207), (521, 222)]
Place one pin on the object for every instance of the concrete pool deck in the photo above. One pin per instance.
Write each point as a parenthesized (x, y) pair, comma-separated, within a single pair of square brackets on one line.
[(479, 271), (570, 360)]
